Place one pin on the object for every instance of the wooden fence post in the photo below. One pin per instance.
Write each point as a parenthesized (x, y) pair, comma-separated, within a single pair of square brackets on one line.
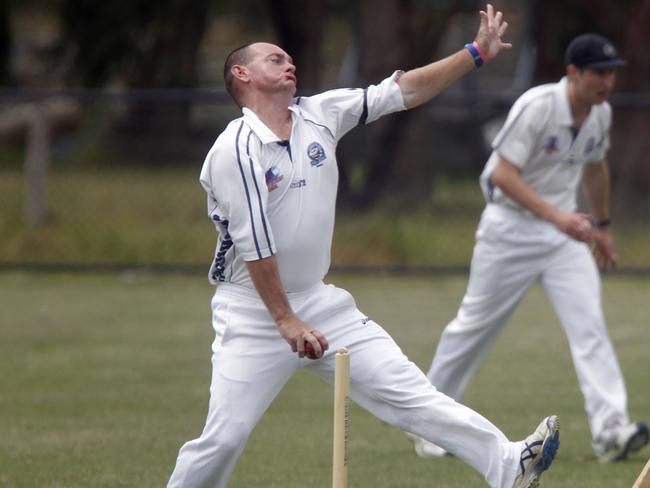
[(37, 157)]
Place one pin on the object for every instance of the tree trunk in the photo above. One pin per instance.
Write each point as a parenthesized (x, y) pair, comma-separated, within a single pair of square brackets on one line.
[(396, 35), (299, 26)]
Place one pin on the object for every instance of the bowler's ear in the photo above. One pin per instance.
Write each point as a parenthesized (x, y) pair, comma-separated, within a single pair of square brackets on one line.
[(240, 72)]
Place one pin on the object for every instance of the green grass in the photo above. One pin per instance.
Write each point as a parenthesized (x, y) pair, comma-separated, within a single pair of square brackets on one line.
[(105, 376), (159, 216)]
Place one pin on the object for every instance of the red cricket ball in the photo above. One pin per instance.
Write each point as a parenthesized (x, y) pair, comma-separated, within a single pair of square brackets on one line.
[(310, 352)]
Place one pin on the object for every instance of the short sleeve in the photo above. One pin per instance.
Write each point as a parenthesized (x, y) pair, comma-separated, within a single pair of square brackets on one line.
[(343, 109), (235, 183), (518, 137)]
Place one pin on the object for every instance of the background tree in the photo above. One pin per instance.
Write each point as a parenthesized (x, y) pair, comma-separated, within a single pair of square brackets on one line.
[(299, 26), (139, 44), (5, 42), (395, 34)]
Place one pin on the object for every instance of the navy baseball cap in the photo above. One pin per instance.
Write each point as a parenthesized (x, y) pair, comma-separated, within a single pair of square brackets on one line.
[(592, 51)]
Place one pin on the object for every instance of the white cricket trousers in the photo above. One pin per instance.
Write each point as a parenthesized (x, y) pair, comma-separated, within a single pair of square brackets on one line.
[(251, 363), (512, 251)]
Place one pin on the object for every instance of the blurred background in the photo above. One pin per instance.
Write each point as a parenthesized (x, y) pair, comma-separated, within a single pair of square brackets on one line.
[(108, 108)]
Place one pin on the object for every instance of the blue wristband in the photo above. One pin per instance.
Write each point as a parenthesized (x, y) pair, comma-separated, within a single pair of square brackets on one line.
[(478, 60)]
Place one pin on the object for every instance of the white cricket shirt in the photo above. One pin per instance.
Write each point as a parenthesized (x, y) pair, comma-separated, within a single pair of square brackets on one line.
[(268, 196), (538, 137)]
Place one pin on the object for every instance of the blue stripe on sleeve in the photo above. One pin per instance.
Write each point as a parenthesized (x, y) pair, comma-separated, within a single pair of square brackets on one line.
[(248, 196), (259, 196), (364, 114), (320, 125)]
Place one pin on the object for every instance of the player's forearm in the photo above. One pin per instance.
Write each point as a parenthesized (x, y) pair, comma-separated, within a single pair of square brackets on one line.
[(596, 185), (422, 84), (266, 279), (506, 176)]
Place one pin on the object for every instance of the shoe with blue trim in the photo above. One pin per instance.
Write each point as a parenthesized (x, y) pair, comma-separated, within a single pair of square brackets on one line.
[(538, 452)]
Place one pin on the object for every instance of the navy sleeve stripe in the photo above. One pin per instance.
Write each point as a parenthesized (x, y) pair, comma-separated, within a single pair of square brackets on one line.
[(259, 195), (364, 114), (321, 125), (215, 205), (248, 196)]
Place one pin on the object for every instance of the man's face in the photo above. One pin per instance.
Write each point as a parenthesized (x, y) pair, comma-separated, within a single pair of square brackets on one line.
[(594, 85), (271, 69)]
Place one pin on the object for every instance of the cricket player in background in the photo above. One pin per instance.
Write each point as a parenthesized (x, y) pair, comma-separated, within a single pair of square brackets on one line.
[(271, 180), (556, 136)]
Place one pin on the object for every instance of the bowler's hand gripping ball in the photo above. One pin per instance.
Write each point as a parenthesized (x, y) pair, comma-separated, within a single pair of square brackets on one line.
[(310, 352)]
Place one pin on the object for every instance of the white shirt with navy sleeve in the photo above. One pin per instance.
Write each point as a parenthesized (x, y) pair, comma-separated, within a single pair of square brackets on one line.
[(539, 138), (273, 197)]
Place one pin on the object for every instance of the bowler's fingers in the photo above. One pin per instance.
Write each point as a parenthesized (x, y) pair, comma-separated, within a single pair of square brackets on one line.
[(321, 340), (309, 338), (498, 18), (503, 28), (299, 347)]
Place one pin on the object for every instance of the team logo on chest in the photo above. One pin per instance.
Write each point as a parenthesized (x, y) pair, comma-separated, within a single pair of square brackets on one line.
[(316, 154), (590, 145), (273, 177), (551, 145)]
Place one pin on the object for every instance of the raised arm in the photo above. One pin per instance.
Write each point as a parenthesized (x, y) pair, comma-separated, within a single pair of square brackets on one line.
[(422, 84)]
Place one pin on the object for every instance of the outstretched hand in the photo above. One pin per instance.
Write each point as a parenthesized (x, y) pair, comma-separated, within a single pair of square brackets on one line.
[(489, 34)]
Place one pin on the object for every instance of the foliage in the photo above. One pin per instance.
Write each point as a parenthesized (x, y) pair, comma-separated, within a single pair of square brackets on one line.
[(142, 43)]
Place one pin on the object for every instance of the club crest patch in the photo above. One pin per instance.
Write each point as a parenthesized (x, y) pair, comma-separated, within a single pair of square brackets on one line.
[(273, 177), (609, 51), (590, 145), (316, 154), (551, 145)]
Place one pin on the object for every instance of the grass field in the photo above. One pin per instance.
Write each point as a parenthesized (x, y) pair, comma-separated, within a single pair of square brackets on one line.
[(105, 376)]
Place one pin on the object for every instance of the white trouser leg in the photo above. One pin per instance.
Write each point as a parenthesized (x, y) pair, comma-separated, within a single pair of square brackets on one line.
[(572, 283), (386, 383), (250, 365), (497, 283)]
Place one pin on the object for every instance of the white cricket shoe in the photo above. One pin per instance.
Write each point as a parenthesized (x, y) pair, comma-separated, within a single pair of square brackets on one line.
[(614, 444), (538, 451), (425, 448)]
